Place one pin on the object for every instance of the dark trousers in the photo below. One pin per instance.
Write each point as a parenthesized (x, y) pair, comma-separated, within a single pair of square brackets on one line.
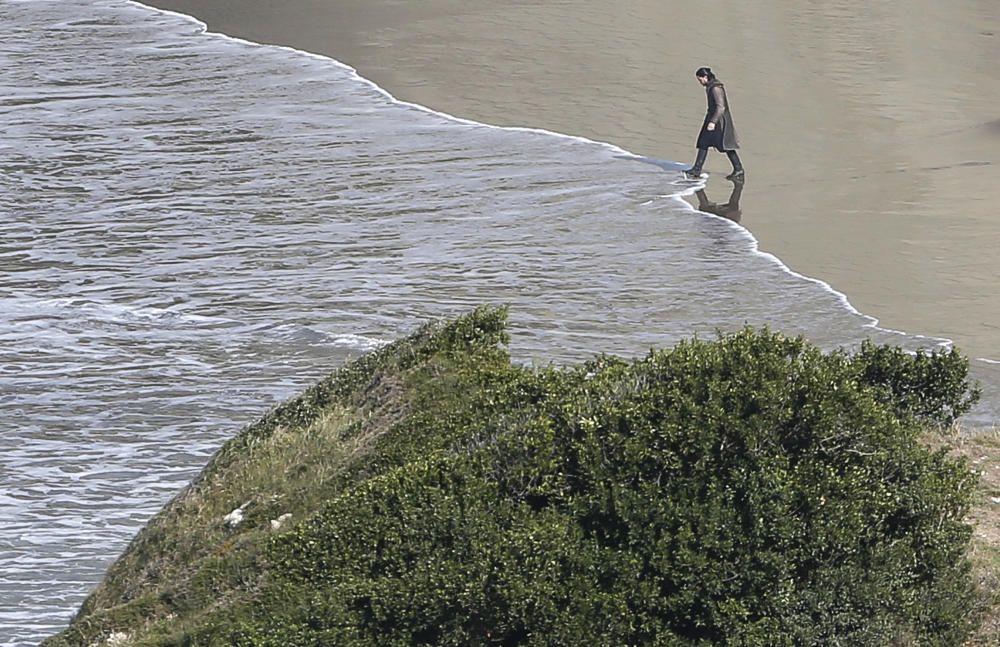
[(733, 156)]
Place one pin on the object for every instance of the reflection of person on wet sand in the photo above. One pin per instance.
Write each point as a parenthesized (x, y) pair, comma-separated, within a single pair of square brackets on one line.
[(730, 209)]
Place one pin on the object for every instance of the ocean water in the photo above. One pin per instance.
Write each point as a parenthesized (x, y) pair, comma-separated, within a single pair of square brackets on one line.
[(193, 228)]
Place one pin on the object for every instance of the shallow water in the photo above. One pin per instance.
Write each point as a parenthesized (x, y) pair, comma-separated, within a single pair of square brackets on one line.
[(195, 228)]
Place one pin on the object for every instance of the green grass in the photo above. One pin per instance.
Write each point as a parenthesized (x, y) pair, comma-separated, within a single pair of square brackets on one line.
[(188, 566), (981, 449)]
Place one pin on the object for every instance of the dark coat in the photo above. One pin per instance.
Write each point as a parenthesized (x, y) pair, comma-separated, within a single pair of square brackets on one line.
[(723, 138)]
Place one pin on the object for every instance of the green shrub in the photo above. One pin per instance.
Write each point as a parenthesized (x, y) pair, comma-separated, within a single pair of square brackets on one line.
[(931, 386), (746, 491)]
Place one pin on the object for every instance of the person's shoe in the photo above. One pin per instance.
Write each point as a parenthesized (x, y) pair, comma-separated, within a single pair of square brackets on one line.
[(737, 176), (693, 173)]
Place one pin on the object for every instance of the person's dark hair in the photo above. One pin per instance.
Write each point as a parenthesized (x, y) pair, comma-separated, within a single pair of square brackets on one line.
[(705, 72)]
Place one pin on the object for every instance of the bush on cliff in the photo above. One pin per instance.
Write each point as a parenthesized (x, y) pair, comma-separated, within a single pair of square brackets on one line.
[(746, 491)]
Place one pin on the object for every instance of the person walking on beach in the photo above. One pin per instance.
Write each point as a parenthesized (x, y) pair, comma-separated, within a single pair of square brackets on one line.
[(717, 130)]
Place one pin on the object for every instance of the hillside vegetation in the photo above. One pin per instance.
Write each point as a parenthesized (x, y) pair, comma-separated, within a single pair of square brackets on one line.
[(749, 490)]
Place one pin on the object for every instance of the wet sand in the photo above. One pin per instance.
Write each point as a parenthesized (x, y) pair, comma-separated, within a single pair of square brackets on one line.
[(870, 132)]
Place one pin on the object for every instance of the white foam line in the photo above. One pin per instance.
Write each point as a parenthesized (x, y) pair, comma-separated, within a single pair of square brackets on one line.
[(388, 95), (359, 341), (873, 322)]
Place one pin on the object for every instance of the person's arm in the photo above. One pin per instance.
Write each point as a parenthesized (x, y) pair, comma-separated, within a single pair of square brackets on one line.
[(720, 105)]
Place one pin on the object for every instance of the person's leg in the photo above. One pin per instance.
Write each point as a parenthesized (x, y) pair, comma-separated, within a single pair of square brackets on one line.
[(734, 159), (699, 161)]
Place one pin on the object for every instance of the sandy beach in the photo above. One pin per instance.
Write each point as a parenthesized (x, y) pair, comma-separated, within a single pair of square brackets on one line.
[(870, 132)]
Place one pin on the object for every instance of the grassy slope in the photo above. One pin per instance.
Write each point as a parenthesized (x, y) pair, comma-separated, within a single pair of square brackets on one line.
[(981, 448), (188, 568), (188, 564)]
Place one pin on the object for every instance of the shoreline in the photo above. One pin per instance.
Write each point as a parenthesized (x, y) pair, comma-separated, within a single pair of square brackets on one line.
[(873, 322), (437, 55)]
